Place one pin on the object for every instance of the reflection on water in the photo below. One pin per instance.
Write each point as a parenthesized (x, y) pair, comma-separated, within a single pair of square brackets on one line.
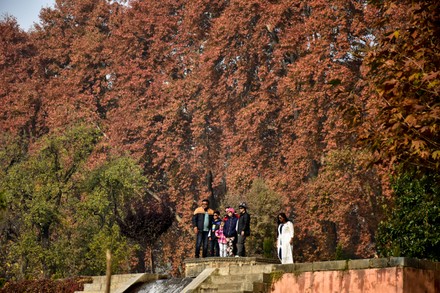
[(173, 285)]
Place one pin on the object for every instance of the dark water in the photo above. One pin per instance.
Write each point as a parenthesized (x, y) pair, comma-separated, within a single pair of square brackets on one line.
[(173, 285)]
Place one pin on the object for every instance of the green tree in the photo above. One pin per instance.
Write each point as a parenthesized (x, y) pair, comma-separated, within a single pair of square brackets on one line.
[(264, 205), (40, 192), (59, 216), (413, 226), (108, 189)]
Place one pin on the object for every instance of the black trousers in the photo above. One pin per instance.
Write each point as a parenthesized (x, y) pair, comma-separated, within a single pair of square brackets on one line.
[(202, 242), (214, 247)]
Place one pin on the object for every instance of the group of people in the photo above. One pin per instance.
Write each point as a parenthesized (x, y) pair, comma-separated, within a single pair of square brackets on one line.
[(225, 236), (221, 236)]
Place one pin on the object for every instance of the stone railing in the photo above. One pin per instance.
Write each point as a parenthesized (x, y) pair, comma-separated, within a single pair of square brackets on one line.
[(378, 275)]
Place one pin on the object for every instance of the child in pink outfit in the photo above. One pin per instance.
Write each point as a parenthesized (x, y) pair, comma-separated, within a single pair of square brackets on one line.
[(222, 242)]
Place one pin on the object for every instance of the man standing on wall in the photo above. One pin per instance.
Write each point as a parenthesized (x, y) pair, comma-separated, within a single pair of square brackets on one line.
[(243, 229), (201, 222)]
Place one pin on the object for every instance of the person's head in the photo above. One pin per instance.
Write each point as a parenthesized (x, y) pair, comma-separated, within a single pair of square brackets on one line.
[(230, 212), (205, 204), (282, 218), (216, 215), (222, 223), (226, 209), (242, 207)]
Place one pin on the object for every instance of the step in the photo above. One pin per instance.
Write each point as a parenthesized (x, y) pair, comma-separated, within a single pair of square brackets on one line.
[(231, 287), (208, 290), (244, 270), (115, 278), (227, 287), (118, 283), (262, 287), (101, 286), (222, 279)]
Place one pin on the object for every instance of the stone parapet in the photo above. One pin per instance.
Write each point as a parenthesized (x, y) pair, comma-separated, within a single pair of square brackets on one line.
[(377, 275), (227, 265)]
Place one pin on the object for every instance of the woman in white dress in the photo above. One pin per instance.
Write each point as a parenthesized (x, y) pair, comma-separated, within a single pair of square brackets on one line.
[(285, 239)]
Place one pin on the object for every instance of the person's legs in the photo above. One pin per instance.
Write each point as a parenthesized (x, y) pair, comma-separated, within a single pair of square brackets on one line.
[(231, 246), (234, 246), (205, 244), (215, 250), (222, 247), (240, 245), (198, 243)]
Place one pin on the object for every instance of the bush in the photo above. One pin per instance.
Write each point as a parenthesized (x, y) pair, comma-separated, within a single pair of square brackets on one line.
[(264, 204), (69, 285), (413, 226)]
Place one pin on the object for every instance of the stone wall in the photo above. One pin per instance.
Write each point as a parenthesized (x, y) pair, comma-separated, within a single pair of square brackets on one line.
[(378, 275), (383, 275), (194, 266)]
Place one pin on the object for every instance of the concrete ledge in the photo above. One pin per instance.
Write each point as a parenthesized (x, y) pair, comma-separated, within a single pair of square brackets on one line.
[(339, 265), (360, 264), (226, 265), (255, 260), (194, 266)]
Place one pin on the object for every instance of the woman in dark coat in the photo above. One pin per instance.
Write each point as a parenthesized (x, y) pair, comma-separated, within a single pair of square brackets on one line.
[(230, 231)]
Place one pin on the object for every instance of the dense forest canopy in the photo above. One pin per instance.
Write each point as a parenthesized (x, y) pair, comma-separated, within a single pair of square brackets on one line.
[(107, 103)]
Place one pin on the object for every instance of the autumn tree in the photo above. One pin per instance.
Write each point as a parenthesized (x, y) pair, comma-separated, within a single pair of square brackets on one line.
[(207, 96), (73, 61), (404, 70), (404, 124), (20, 104)]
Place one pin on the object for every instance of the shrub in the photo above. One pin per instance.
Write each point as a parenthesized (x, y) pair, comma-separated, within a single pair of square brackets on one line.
[(69, 285), (413, 226)]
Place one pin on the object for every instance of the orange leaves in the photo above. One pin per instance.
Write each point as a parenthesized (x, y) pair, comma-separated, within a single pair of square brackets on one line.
[(390, 63), (418, 145), (235, 89), (411, 121), (404, 71)]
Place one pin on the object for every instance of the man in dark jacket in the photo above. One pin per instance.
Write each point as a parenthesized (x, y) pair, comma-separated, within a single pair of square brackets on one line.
[(201, 222), (243, 229)]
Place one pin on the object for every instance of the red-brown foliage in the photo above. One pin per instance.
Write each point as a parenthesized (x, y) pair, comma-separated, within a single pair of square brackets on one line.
[(69, 285), (208, 96)]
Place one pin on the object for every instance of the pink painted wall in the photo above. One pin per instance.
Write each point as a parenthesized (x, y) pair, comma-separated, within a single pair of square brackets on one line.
[(383, 280)]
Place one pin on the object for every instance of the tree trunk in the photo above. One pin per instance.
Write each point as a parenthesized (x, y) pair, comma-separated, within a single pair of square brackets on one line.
[(151, 259), (108, 275)]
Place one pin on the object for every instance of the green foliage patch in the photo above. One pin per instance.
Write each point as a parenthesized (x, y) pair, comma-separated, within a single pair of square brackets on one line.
[(413, 226), (59, 217)]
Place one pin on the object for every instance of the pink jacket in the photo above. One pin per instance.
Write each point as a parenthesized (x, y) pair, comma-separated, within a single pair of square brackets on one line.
[(220, 236)]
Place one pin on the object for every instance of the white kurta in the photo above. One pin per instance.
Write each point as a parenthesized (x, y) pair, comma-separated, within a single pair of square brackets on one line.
[(285, 233)]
